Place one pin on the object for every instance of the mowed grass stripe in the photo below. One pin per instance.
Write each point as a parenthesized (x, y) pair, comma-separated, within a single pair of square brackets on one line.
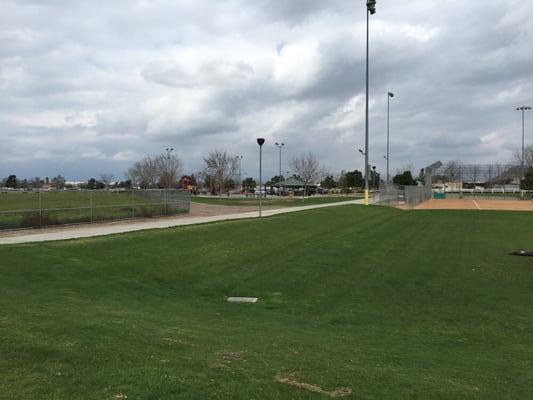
[(392, 304)]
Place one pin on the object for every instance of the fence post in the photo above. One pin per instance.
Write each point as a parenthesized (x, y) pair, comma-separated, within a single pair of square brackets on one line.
[(165, 192), (91, 204), (40, 210)]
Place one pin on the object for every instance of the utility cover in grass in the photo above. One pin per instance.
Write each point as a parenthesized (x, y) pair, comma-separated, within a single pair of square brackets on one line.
[(523, 253), (242, 299)]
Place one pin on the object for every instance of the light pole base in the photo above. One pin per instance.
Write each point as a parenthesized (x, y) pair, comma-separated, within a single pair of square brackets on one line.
[(366, 197)]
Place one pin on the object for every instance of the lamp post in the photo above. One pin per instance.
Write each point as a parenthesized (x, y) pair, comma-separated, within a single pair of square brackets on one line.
[(389, 96), (239, 158), (523, 109), (260, 142), (167, 172), (279, 146), (370, 10)]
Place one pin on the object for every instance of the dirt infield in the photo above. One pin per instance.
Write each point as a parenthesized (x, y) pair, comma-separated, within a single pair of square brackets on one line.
[(475, 204)]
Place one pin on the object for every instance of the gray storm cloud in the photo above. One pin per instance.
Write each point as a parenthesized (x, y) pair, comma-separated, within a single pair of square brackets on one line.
[(86, 88)]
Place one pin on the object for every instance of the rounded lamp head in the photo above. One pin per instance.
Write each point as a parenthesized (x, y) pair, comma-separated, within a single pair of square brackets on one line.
[(260, 141)]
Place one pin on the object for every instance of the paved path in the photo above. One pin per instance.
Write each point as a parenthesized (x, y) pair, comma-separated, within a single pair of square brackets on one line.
[(111, 229)]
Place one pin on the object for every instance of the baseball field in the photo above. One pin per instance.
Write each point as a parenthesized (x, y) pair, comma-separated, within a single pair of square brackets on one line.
[(353, 302)]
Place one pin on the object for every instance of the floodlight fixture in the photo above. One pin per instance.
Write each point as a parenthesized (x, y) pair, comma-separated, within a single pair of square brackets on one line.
[(371, 6)]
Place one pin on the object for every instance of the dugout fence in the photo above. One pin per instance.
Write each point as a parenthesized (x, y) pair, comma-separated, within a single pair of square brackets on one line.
[(407, 197)]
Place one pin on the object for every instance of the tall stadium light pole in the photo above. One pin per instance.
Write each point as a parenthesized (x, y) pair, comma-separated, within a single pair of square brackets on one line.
[(370, 10), (260, 142), (390, 95), (523, 109), (279, 146)]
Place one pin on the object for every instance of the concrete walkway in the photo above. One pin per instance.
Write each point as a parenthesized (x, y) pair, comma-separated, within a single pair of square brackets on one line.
[(111, 229)]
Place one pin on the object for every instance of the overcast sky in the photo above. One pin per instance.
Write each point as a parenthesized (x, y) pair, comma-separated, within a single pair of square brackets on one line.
[(88, 87)]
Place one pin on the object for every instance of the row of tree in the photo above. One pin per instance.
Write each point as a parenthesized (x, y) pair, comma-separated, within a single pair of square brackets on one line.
[(219, 175), (161, 171), (57, 182)]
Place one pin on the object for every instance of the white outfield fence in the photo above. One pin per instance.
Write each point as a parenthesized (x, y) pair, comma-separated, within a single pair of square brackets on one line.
[(39, 209), (488, 194)]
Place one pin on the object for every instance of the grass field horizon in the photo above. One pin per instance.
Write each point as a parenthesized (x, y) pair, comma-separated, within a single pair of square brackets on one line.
[(388, 303)]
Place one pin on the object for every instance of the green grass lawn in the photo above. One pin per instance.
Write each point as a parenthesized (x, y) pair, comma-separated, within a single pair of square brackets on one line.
[(272, 201), (20, 209), (388, 303)]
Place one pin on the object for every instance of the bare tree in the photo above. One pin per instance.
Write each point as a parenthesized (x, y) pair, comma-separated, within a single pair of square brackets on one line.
[(490, 176), (472, 173), (220, 167), (453, 171), (36, 183), (499, 172), (58, 182), (528, 156), (308, 168), (107, 179), (169, 167), (144, 173)]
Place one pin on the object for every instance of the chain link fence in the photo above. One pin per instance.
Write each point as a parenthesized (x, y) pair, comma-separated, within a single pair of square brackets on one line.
[(21, 209), (389, 195), (454, 176), (486, 194), (408, 197), (414, 195)]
